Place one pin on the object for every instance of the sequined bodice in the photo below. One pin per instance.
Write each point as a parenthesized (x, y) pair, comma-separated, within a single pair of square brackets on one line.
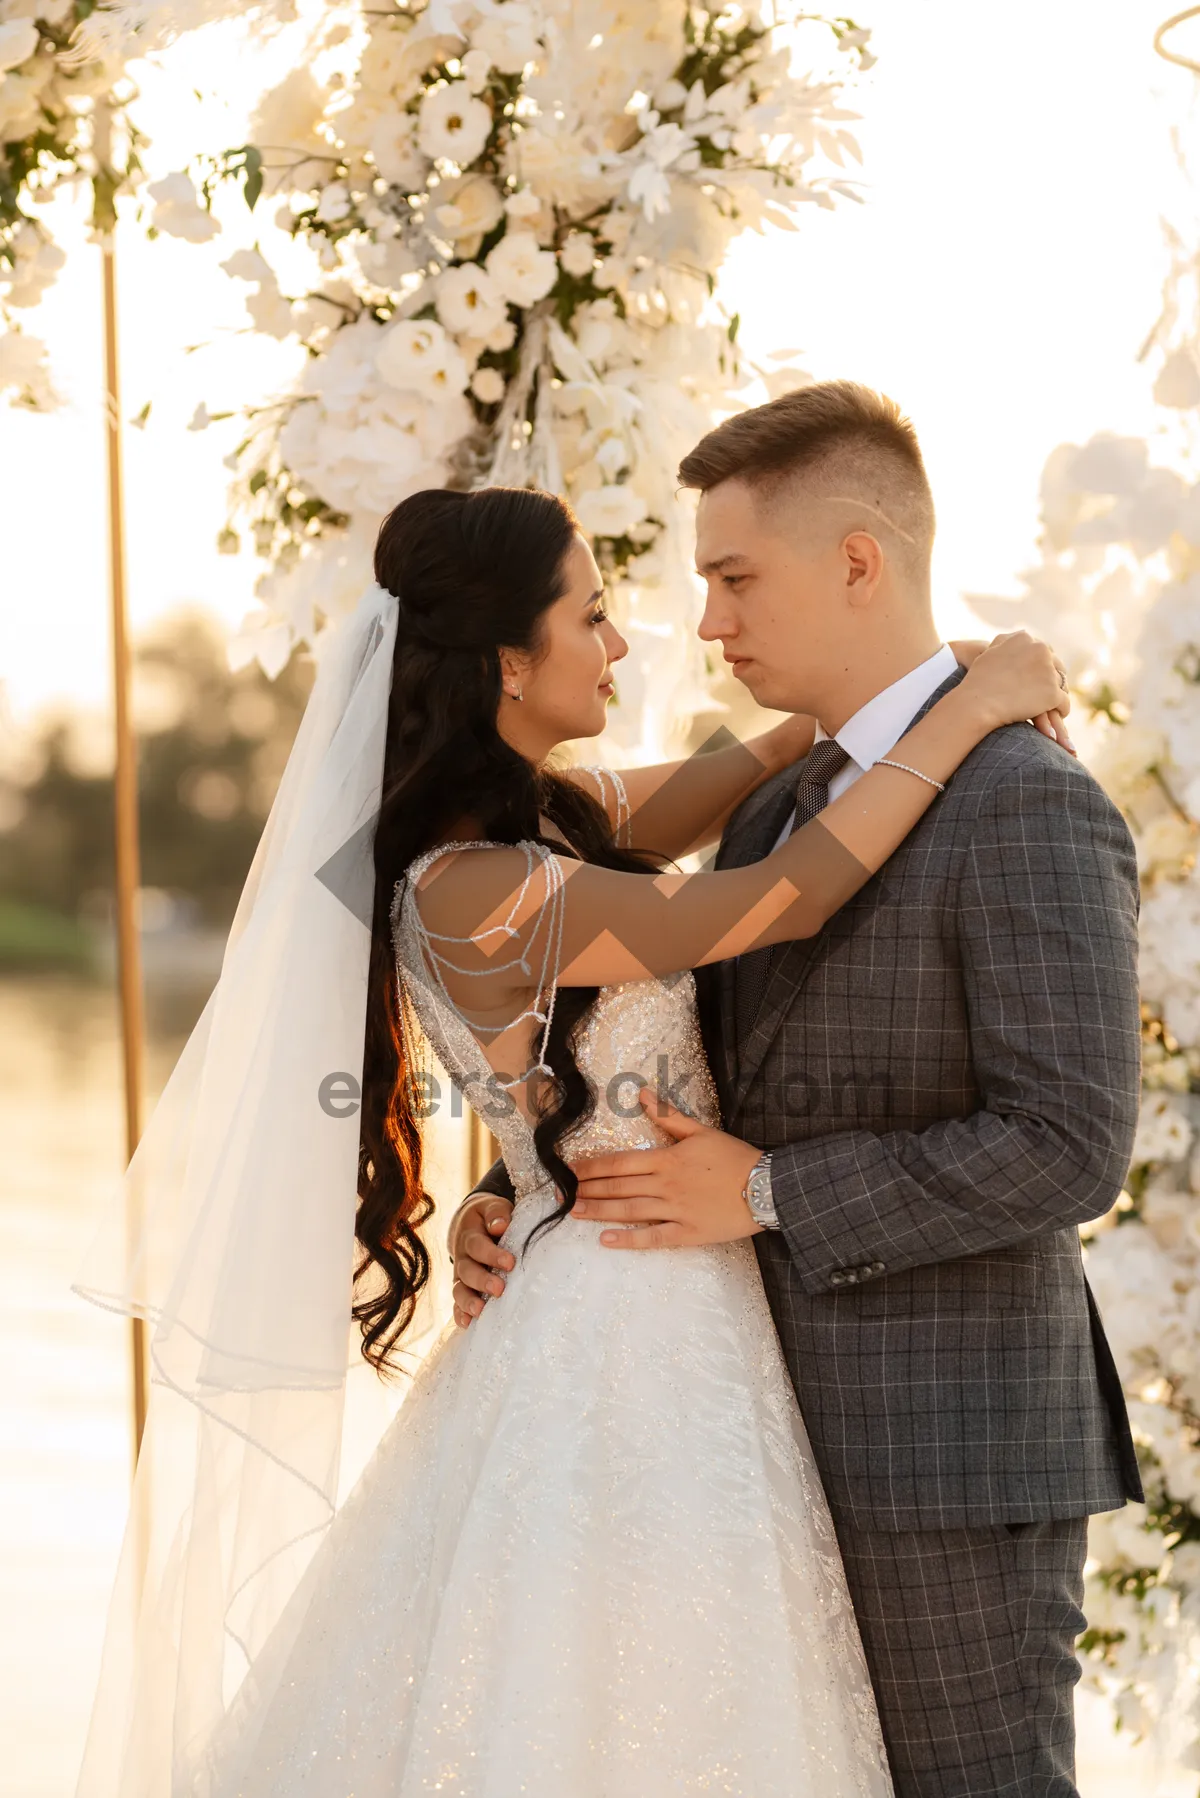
[(638, 1033)]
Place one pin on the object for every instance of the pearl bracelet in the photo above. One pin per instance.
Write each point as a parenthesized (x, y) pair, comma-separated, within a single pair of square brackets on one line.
[(904, 768)]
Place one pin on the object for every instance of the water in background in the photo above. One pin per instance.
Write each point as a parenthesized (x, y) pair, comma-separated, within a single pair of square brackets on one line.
[(64, 1366), (64, 1378)]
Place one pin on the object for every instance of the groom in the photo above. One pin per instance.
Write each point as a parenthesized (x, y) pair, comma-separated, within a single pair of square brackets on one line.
[(921, 1105)]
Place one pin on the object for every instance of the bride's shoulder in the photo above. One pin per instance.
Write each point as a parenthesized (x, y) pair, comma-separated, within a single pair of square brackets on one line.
[(470, 887)]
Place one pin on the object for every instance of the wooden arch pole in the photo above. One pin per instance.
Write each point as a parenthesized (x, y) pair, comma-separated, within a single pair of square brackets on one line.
[(125, 791)]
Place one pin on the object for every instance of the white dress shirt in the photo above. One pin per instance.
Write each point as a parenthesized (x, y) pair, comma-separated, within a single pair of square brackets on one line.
[(877, 726)]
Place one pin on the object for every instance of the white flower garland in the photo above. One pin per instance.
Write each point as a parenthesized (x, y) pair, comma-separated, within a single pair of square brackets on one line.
[(62, 120), (1118, 591), (518, 208)]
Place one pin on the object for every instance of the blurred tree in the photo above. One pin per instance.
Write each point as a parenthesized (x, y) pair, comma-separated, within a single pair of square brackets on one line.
[(212, 745)]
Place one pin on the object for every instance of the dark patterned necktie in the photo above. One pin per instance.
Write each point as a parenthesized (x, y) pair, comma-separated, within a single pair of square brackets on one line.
[(812, 796)]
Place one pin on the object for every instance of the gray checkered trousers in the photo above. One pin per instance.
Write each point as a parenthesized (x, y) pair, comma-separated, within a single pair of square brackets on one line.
[(948, 1078)]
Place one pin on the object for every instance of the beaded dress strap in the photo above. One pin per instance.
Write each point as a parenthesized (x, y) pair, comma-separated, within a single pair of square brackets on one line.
[(405, 910), (622, 814)]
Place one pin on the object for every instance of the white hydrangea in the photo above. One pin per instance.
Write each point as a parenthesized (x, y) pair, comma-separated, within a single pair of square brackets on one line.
[(522, 271)]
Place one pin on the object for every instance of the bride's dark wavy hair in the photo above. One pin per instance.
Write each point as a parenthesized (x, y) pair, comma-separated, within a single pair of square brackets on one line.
[(472, 572)]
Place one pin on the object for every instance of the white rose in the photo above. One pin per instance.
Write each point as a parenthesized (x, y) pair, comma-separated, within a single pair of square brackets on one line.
[(454, 125), (477, 206), (418, 356), (487, 384), (578, 254), (18, 41), (522, 271), (334, 204), (394, 151), (468, 302), (610, 511), (397, 56), (503, 337), (178, 212)]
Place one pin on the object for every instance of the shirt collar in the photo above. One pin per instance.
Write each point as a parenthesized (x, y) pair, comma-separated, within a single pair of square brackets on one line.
[(878, 725)]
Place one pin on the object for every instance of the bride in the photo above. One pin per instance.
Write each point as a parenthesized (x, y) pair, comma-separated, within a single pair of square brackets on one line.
[(590, 1557)]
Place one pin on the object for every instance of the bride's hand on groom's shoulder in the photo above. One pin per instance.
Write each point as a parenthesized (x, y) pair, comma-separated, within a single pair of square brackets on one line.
[(967, 651), (686, 1194)]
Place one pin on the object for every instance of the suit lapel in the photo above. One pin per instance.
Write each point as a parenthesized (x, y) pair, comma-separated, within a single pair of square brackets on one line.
[(787, 976), (791, 969)]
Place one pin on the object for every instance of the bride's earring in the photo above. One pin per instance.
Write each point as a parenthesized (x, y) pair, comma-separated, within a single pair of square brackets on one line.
[(515, 693)]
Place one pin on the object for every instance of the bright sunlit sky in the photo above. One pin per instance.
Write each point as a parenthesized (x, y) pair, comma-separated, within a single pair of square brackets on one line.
[(998, 281)]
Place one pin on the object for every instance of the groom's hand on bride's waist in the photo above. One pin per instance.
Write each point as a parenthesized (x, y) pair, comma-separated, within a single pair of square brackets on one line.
[(684, 1195)]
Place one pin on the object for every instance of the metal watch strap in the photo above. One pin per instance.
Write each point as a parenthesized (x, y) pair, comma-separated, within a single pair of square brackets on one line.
[(758, 1195)]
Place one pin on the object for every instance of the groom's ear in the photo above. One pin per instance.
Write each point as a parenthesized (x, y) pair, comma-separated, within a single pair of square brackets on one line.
[(864, 563)]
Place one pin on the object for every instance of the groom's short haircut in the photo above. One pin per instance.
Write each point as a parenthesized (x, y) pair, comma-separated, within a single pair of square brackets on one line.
[(836, 441)]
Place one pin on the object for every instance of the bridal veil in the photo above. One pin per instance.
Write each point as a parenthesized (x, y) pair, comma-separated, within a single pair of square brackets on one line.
[(242, 1265)]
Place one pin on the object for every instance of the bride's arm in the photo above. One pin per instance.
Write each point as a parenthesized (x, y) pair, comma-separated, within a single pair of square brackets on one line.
[(675, 807), (608, 926)]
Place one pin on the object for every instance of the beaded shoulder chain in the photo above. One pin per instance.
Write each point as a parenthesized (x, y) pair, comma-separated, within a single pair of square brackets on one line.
[(539, 861)]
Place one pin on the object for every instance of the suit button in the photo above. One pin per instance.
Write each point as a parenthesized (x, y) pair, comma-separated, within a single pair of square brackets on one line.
[(865, 1273), (837, 1279), (852, 1276), (878, 1267)]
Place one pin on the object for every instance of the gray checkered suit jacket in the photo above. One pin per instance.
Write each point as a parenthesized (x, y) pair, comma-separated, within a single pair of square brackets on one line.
[(948, 1076)]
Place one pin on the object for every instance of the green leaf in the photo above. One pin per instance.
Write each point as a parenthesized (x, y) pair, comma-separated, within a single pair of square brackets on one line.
[(254, 175), (258, 480)]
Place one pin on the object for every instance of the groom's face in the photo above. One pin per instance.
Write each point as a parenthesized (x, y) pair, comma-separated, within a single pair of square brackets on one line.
[(777, 596)]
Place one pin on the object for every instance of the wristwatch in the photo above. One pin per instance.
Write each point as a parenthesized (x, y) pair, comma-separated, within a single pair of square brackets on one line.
[(758, 1196)]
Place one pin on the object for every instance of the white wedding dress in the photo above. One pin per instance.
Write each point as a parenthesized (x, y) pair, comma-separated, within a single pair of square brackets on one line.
[(591, 1558)]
